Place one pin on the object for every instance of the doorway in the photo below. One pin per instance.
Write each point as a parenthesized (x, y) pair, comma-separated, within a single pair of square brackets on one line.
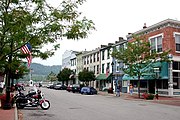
[(152, 86)]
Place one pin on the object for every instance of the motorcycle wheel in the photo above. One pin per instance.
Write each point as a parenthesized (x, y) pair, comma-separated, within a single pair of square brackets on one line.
[(19, 106), (45, 105)]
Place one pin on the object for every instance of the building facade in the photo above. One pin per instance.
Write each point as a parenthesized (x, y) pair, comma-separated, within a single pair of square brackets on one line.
[(69, 61), (162, 36), (91, 62), (118, 66)]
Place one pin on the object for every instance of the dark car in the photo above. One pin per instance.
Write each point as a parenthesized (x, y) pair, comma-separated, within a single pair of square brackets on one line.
[(76, 88), (88, 90), (60, 87)]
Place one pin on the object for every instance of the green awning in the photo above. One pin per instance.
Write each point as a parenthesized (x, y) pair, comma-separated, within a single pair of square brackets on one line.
[(150, 75), (104, 77)]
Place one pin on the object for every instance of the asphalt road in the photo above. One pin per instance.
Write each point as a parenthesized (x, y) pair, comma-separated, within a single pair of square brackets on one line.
[(74, 106)]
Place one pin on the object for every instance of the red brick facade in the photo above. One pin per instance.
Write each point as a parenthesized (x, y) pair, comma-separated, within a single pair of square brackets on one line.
[(168, 41), (167, 30)]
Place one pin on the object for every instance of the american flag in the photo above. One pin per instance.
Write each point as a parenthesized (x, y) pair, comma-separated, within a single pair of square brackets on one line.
[(26, 49)]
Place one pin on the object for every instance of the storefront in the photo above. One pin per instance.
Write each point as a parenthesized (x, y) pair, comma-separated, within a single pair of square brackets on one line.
[(151, 81), (104, 81)]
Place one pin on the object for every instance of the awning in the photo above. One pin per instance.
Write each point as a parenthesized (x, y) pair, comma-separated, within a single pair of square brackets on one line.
[(104, 77), (150, 75)]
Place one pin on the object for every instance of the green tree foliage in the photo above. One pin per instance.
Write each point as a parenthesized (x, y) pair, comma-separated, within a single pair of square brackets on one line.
[(52, 76), (137, 57), (86, 76), (40, 24), (64, 75)]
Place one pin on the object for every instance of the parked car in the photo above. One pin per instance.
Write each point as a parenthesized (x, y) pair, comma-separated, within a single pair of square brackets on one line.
[(76, 88), (60, 87), (69, 88), (51, 86), (48, 86), (88, 90), (105, 89)]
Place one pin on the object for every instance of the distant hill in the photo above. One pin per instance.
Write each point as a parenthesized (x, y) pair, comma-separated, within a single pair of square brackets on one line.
[(39, 69)]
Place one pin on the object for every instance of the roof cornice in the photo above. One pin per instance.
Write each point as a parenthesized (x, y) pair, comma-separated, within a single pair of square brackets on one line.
[(162, 24)]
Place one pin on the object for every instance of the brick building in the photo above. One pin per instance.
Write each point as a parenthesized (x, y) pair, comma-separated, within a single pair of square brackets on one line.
[(162, 36)]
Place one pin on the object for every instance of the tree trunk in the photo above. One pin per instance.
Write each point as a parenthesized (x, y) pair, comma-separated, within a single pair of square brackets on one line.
[(139, 86)]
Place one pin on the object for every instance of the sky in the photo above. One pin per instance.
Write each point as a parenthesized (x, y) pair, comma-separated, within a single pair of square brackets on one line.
[(114, 19)]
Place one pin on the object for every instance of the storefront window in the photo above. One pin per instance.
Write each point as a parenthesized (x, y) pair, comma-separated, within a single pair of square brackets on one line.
[(176, 65), (176, 80)]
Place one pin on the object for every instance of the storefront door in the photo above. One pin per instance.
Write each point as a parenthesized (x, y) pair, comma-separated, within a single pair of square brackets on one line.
[(151, 86)]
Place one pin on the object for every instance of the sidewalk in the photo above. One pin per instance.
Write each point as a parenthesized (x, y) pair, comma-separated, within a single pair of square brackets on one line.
[(161, 99), (8, 114)]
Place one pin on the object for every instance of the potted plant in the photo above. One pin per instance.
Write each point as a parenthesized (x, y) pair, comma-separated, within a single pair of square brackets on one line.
[(148, 96), (3, 99), (110, 90)]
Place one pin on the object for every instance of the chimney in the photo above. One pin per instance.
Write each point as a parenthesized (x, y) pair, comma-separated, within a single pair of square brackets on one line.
[(110, 44), (120, 38), (103, 46), (144, 26)]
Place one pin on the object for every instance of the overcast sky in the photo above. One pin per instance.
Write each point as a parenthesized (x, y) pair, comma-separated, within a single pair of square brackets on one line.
[(114, 19)]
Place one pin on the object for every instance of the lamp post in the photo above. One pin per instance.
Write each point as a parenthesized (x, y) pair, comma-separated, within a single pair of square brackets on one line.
[(157, 71), (112, 64), (170, 82)]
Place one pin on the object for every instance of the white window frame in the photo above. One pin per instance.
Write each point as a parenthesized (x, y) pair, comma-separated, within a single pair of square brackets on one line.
[(158, 35), (176, 33)]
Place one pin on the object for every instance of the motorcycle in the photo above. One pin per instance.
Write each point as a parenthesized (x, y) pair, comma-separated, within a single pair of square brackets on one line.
[(32, 99)]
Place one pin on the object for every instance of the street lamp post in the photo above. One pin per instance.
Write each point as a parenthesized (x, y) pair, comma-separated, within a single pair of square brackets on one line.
[(112, 64), (170, 82), (157, 71)]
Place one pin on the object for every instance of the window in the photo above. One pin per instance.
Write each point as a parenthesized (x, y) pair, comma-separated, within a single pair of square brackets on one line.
[(117, 67), (103, 55), (121, 47), (156, 43), (108, 53), (94, 69), (176, 80), (176, 65), (94, 57), (87, 59), (108, 65), (97, 69), (98, 56), (90, 58), (102, 68), (177, 39)]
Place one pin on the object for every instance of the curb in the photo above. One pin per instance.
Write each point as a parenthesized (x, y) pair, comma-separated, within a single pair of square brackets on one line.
[(15, 113)]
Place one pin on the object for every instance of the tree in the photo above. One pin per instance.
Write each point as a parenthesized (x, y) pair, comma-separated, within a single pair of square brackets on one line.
[(38, 23), (86, 76), (52, 77), (64, 75), (137, 57)]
